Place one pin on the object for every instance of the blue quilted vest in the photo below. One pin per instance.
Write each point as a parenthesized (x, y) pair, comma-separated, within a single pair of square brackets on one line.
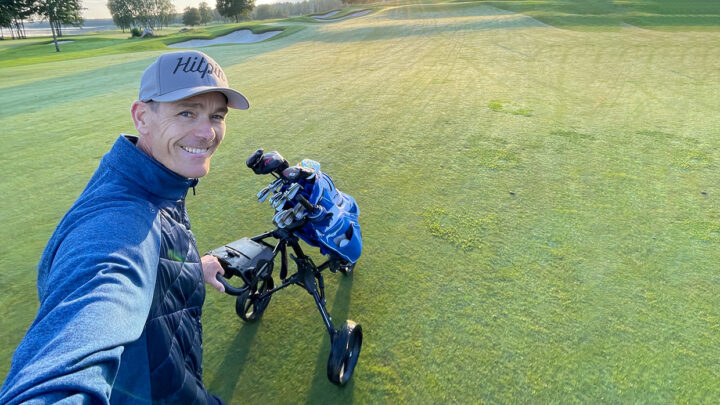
[(172, 339)]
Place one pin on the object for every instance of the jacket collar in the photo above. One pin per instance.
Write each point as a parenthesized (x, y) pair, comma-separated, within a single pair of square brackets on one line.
[(147, 172)]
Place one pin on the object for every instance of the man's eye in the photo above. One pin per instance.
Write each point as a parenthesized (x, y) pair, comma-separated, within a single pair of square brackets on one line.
[(187, 114), (218, 117)]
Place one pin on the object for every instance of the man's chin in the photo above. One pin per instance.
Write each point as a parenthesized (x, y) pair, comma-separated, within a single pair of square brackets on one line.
[(194, 173)]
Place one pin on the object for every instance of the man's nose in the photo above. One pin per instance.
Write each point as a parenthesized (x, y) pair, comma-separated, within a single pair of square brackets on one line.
[(206, 130)]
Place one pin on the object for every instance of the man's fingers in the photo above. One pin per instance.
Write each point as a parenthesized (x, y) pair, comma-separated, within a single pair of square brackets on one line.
[(218, 285)]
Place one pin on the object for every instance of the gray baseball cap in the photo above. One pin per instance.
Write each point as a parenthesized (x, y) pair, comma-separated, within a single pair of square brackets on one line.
[(178, 75)]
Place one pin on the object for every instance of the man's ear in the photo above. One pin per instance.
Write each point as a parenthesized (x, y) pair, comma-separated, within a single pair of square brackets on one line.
[(141, 116)]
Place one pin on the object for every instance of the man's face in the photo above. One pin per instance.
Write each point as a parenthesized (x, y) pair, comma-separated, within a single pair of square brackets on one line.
[(183, 135)]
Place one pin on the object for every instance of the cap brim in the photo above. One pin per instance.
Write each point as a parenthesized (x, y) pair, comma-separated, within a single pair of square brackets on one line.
[(235, 98)]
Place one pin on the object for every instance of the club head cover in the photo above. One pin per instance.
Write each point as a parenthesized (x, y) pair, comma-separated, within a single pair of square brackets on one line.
[(270, 162), (254, 159), (295, 173)]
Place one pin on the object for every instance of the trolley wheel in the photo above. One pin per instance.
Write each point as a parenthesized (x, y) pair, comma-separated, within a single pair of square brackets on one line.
[(344, 352), (248, 307)]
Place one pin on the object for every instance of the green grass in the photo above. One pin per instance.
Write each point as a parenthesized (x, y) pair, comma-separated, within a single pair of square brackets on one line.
[(593, 15), (539, 204), (344, 12)]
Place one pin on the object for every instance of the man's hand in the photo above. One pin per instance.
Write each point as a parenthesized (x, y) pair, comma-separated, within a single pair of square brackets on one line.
[(211, 266)]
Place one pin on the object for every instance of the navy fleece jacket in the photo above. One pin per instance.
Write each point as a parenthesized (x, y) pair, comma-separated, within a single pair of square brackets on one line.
[(96, 281)]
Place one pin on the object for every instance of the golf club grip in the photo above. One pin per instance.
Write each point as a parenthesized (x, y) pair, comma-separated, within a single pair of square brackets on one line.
[(305, 203), (228, 288)]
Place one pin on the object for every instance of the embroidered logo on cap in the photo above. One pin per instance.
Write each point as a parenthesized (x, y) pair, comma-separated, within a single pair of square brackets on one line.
[(190, 64)]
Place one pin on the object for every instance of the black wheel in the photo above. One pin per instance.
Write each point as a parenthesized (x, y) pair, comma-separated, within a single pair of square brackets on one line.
[(248, 307), (344, 352)]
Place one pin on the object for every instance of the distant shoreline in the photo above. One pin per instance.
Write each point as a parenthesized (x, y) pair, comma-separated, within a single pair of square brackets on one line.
[(42, 28)]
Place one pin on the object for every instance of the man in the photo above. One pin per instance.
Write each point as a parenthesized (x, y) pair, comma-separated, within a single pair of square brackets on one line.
[(121, 281)]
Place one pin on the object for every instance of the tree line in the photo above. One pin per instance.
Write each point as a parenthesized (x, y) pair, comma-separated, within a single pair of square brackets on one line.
[(13, 14), (152, 14)]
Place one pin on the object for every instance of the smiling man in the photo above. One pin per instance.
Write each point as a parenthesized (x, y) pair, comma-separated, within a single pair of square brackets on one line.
[(121, 282)]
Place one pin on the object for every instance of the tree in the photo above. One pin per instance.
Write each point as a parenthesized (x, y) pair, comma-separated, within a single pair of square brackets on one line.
[(13, 14), (206, 13), (5, 17), (144, 12), (166, 13), (141, 13), (59, 12), (235, 8), (191, 16), (122, 14)]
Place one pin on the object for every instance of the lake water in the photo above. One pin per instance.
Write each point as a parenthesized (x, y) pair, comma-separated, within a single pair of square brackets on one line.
[(38, 29)]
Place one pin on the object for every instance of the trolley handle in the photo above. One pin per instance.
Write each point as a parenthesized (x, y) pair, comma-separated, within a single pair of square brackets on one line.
[(229, 289)]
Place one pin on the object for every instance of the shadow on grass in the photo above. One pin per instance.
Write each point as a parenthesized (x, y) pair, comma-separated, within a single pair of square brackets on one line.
[(669, 21), (226, 377), (322, 390)]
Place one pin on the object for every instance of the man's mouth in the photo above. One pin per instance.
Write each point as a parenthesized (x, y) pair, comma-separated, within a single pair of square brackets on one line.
[(195, 151)]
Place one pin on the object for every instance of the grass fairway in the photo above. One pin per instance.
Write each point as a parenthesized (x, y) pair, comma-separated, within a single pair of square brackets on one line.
[(539, 203)]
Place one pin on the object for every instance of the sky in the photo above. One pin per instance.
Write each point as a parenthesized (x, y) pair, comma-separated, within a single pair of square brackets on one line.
[(98, 8)]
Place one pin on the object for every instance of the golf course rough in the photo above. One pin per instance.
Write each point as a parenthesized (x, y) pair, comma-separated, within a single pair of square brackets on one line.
[(537, 182)]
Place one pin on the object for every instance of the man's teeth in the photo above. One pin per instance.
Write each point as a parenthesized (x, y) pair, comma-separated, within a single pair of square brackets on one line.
[(194, 150)]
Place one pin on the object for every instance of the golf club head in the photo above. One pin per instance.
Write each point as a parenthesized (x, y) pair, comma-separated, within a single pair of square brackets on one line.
[(279, 204), (289, 218), (299, 212), (273, 186), (277, 220), (276, 184), (291, 191), (275, 197), (262, 195)]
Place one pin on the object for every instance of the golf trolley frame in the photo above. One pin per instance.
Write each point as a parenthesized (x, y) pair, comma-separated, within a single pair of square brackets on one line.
[(252, 260)]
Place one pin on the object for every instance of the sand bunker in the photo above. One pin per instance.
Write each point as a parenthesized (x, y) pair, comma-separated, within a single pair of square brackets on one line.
[(330, 14), (236, 37), (355, 14), (61, 42)]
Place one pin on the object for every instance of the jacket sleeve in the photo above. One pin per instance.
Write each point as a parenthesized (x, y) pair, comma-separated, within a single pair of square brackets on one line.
[(94, 300)]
